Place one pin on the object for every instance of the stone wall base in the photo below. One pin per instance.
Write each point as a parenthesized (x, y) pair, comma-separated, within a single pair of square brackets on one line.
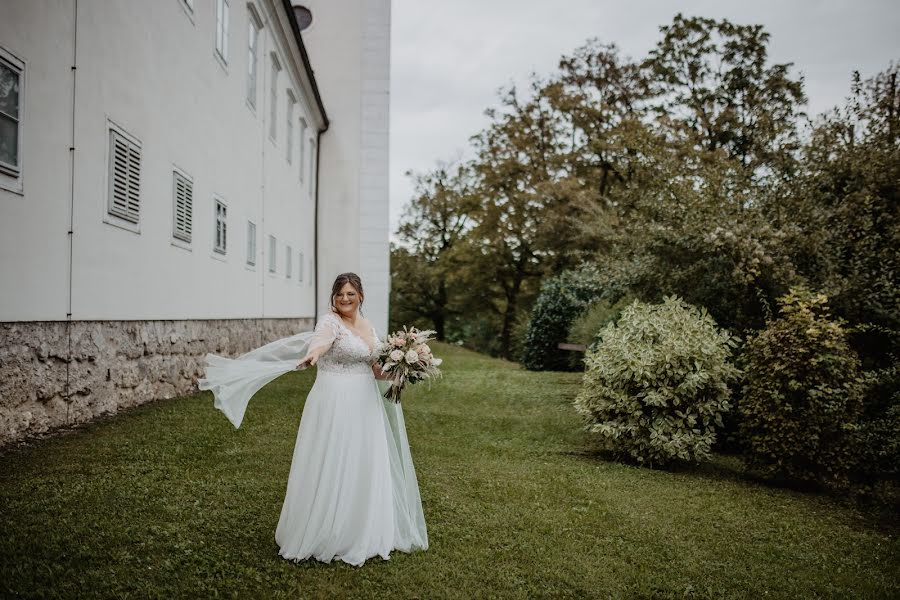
[(58, 373)]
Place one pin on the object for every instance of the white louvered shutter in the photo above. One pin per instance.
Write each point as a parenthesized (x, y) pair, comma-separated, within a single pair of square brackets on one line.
[(184, 207), (125, 178)]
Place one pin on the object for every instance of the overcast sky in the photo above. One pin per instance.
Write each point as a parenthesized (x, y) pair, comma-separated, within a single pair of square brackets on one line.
[(448, 58)]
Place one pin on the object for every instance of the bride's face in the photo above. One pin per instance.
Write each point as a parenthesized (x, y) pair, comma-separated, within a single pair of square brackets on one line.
[(347, 300)]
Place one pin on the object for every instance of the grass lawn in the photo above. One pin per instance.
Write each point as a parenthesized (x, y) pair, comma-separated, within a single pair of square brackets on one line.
[(169, 500)]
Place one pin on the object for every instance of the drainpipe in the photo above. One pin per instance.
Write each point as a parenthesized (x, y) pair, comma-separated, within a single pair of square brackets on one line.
[(71, 230), (315, 273)]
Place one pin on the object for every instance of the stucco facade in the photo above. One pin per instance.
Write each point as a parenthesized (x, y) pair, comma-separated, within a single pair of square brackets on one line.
[(168, 86)]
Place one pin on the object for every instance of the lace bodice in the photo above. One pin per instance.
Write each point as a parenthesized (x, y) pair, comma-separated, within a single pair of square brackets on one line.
[(349, 353)]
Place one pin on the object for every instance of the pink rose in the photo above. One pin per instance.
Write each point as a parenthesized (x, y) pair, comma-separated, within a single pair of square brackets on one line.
[(396, 355)]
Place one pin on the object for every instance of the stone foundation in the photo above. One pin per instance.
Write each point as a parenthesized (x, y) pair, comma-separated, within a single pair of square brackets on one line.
[(58, 373)]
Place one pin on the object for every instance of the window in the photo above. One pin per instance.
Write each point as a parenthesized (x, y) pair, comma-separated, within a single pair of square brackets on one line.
[(273, 95), (291, 100), (183, 199), (288, 261), (11, 78), (253, 49), (124, 196), (251, 243), (312, 164), (271, 254), (221, 228), (300, 273), (222, 29), (302, 144)]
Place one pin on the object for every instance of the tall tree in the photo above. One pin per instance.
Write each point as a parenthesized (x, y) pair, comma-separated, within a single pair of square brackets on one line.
[(423, 263), (714, 84)]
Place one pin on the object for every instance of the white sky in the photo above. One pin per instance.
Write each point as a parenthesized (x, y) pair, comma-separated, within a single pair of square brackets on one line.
[(448, 58)]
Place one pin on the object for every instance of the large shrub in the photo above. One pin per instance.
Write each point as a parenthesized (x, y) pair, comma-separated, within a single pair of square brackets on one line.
[(656, 384), (562, 299), (876, 472), (803, 394)]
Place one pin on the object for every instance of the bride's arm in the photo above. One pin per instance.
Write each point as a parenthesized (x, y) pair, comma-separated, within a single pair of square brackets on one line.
[(325, 333)]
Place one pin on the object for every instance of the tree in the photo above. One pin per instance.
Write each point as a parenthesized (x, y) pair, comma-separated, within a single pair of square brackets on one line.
[(715, 87), (422, 264)]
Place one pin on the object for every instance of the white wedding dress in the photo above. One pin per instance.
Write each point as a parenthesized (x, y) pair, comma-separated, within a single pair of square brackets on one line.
[(352, 492)]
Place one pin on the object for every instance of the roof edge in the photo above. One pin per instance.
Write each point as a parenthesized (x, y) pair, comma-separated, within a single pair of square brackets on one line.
[(295, 27)]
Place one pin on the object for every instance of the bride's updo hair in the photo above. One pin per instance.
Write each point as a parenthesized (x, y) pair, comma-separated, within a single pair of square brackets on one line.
[(343, 279)]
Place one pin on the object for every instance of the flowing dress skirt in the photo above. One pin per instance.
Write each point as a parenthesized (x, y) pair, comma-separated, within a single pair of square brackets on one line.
[(352, 492)]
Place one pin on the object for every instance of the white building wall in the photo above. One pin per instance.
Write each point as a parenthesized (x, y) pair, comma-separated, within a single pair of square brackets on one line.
[(150, 67), (349, 44), (34, 222)]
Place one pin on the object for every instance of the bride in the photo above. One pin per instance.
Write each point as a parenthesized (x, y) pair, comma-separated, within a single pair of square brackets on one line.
[(352, 492)]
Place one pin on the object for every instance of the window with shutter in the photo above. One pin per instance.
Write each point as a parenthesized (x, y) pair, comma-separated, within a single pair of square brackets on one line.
[(300, 273), (183, 192), (288, 261), (124, 177)]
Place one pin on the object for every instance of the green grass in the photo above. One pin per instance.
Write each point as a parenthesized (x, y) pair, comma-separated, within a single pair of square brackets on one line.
[(169, 500)]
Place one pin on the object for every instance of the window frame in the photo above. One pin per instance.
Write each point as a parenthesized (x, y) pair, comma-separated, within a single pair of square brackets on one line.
[(223, 24), (254, 31), (185, 237), (111, 217), (273, 254), (303, 127), (11, 175), (288, 262), (276, 69), (251, 244), (312, 165), (289, 135), (221, 249)]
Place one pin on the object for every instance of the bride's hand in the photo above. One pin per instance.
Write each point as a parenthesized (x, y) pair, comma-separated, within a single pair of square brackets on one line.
[(308, 361)]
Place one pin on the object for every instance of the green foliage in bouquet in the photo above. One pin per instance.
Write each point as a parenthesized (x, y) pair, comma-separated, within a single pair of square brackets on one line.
[(562, 299), (656, 384), (804, 394)]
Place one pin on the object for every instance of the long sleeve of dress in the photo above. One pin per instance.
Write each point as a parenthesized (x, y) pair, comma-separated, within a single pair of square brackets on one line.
[(325, 333), (233, 381)]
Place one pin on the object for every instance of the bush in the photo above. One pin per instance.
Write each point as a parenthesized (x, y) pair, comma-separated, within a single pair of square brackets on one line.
[(590, 322), (562, 299), (656, 384), (877, 443), (803, 394), (594, 318)]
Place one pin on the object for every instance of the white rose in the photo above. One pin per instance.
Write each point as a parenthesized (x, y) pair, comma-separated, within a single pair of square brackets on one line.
[(412, 357), (396, 355)]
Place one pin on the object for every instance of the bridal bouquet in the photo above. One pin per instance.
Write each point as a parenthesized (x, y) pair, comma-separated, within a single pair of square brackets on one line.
[(406, 357)]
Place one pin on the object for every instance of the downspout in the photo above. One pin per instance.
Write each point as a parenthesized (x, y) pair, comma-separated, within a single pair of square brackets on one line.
[(315, 273), (307, 66), (71, 231)]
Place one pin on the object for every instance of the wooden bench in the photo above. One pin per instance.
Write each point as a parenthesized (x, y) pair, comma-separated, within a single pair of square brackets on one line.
[(572, 347)]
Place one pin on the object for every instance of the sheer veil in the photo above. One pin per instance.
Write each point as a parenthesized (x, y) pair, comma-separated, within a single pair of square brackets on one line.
[(233, 381)]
